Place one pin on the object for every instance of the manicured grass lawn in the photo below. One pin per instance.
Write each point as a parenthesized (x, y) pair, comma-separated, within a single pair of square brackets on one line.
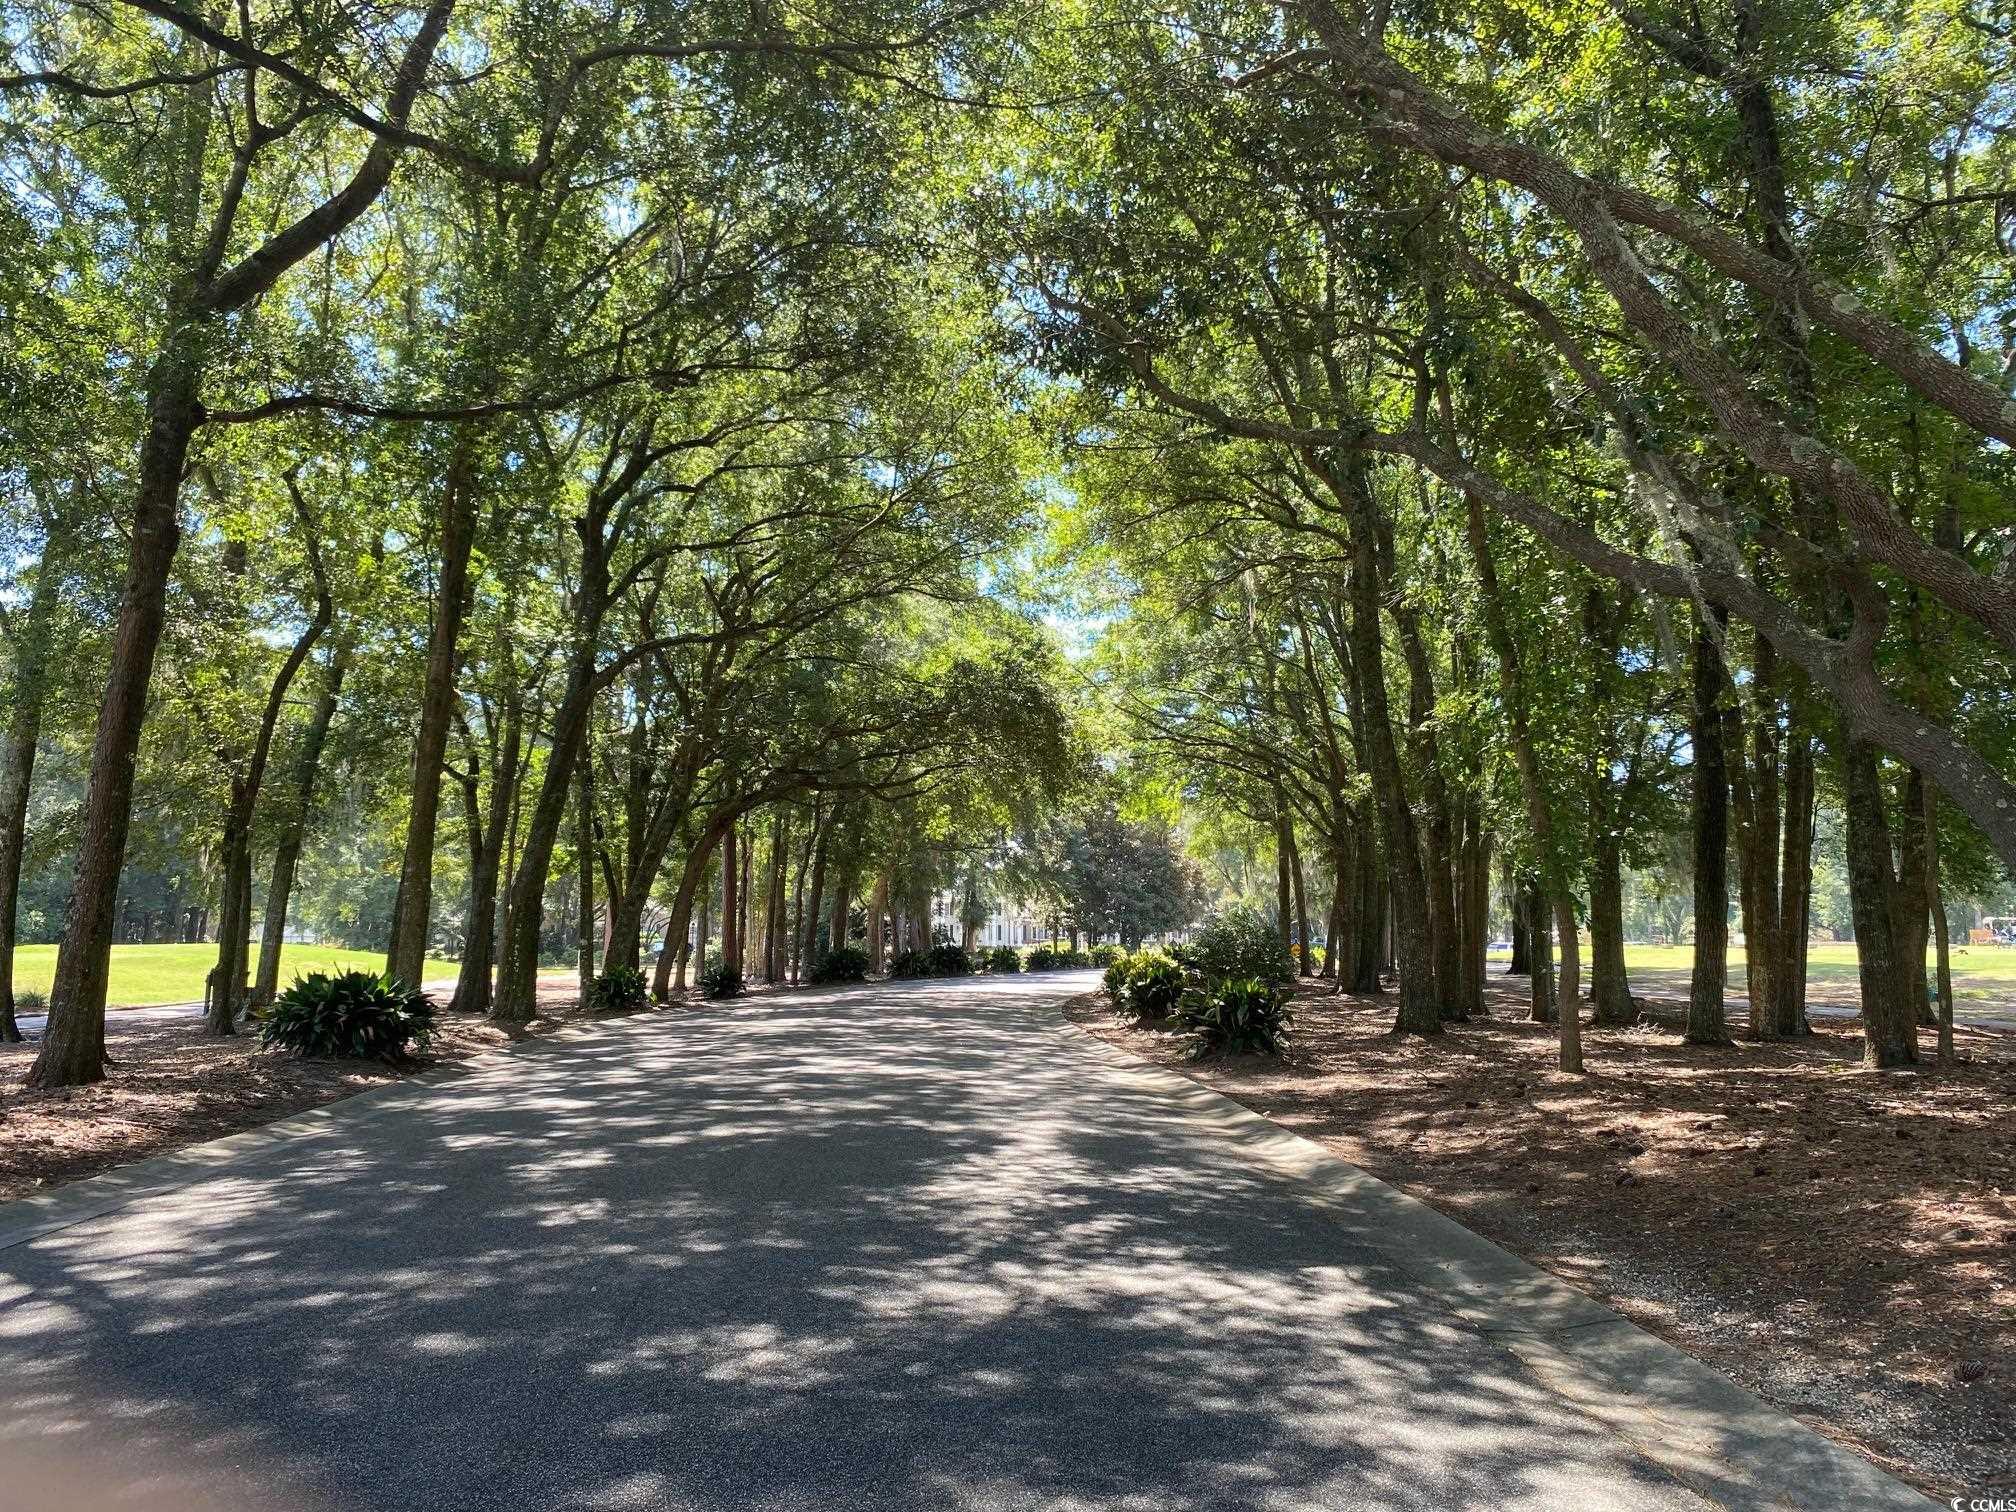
[(146, 974), (1983, 975)]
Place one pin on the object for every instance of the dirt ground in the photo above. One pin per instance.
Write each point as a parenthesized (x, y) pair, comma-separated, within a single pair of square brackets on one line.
[(172, 1085), (1841, 1241)]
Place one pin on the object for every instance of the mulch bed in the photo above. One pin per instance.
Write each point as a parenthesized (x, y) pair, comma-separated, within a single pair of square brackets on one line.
[(1841, 1241)]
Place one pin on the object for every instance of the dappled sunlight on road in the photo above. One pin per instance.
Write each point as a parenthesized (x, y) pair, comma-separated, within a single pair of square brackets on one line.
[(918, 1248)]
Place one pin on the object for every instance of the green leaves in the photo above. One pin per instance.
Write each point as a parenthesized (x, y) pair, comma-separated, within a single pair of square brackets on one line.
[(353, 1013)]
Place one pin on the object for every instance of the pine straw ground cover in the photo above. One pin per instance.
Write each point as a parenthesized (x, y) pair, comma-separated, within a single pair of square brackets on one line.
[(1843, 1242), (173, 1085)]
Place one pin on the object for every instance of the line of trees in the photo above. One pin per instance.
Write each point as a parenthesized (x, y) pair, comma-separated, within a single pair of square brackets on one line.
[(487, 478), (1502, 431)]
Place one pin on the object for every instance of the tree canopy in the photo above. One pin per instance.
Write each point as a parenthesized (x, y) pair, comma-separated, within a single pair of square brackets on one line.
[(700, 478)]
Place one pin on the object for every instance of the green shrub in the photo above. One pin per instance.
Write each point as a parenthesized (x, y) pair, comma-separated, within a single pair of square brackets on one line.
[(1105, 955), (1004, 958), (721, 981), (618, 988), (949, 960), (1042, 958), (1240, 1017), (1115, 980), (1154, 986), (28, 1000), (1238, 944), (843, 963), (910, 964), (1074, 960), (357, 1013)]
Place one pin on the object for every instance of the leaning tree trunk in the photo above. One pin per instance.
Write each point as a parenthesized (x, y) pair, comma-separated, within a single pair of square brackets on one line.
[(1707, 1019), (294, 828), (718, 830), (235, 931), (406, 956), (518, 969), (17, 764), (73, 1045)]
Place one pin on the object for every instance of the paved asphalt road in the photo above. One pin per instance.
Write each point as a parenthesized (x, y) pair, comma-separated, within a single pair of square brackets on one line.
[(903, 1247)]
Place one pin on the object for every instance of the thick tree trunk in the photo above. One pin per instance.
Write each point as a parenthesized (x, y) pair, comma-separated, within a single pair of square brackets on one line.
[(1284, 888), (815, 895), (1475, 906), (17, 761), (584, 858), (226, 982), (1420, 1012), (1371, 909), (1522, 939), (1335, 968), (1936, 903), (745, 897), (1609, 987), (406, 955), (1569, 931), (1546, 1004), (734, 894), (73, 1045), (878, 913), (1307, 968), (774, 961), (486, 871), (1795, 894), (518, 967), (1889, 1019), (1438, 842), (1707, 1019), (1533, 794), (843, 905), (796, 918), (1909, 915)]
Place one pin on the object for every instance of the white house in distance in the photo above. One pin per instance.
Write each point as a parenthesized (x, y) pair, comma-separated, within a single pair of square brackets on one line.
[(1008, 924)]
